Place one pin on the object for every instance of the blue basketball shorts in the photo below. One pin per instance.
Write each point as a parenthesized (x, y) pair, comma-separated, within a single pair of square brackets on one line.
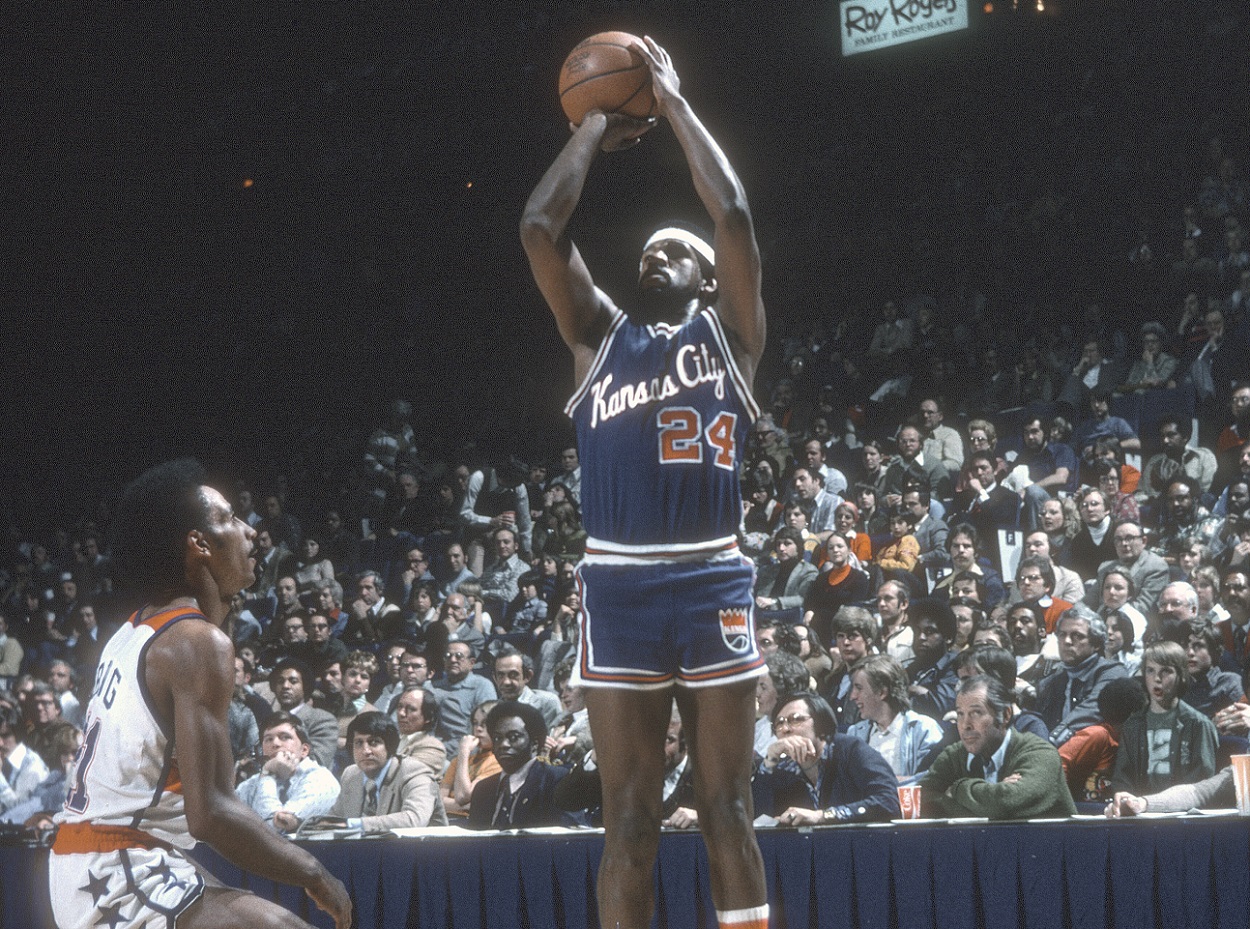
[(649, 625)]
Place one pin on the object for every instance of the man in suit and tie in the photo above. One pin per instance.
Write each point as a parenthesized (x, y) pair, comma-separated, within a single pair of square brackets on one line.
[(522, 795), (985, 503), (1235, 630), (382, 791)]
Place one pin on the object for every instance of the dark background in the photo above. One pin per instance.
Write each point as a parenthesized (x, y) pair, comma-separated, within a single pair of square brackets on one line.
[(154, 305)]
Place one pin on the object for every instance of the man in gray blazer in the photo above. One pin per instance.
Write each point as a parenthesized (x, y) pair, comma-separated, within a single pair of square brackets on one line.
[(781, 585), (382, 791)]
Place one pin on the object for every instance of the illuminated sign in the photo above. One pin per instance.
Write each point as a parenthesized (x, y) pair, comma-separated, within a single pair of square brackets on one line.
[(867, 25)]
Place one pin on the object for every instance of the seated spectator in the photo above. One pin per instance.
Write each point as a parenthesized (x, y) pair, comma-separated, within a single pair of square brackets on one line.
[(782, 584), (382, 791), (786, 674), (473, 761), (892, 602), (1035, 583), (963, 546), (845, 520), (812, 775), (10, 654), (1026, 625), (913, 467), (1182, 519), (1093, 544), (42, 712), (994, 771), (1168, 742), (930, 530), (422, 606), (984, 503), (1123, 505), (23, 770), (290, 787), (855, 635), (529, 618), (37, 810), (1176, 459), (1122, 645), (1089, 756), (393, 651), (903, 737), (522, 794), (932, 679), (999, 663), (570, 738), (320, 646), (1067, 699), (514, 671), (1147, 570), (416, 714), (1154, 368), (1068, 585), (311, 567), (64, 681), (499, 580), (818, 504), (761, 508), (1210, 688), (458, 691), (292, 684), (902, 552), (1118, 591), (1050, 468), (839, 584), (874, 519), (968, 614)]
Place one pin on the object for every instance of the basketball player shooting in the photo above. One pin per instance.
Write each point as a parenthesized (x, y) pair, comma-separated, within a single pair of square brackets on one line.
[(661, 410), (156, 772)]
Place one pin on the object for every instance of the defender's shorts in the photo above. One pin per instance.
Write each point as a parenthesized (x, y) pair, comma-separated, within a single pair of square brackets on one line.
[(646, 626), (122, 887)]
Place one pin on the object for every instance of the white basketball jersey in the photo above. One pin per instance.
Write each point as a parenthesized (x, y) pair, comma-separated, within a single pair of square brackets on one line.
[(126, 774)]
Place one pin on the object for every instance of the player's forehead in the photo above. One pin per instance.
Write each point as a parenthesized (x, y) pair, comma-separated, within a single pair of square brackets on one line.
[(670, 247), (215, 503)]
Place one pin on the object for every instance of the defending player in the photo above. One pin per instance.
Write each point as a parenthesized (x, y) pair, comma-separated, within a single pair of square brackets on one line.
[(661, 410), (155, 772)]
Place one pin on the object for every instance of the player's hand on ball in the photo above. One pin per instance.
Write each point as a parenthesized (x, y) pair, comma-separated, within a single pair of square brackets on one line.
[(665, 84), (622, 131)]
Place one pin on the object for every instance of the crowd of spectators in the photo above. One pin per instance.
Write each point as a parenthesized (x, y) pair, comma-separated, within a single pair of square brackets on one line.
[(1007, 562)]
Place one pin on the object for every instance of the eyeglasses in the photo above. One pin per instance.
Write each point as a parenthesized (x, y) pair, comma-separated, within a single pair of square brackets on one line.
[(1032, 578), (457, 656), (795, 719), (1127, 538)]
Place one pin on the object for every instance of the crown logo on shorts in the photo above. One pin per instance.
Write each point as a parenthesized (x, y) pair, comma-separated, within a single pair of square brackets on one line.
[(735, 630)]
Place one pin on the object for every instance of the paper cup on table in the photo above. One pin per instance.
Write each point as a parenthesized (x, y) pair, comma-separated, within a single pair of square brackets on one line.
[(1241, 783), (909, 800)]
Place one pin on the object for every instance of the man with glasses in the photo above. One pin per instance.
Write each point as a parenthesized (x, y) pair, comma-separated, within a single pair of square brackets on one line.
[(811, 775), (1067, 698), (1035, 583), (416, 571), (1094, 543), (459, 690), (321, 647), (1235, 631), (1147, 570)]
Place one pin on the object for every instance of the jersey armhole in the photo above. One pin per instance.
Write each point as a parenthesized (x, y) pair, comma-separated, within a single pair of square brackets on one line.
[(618, 320), (741, 387)]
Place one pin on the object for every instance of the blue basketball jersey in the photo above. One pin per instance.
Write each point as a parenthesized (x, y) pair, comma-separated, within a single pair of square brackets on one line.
[(661, 420)]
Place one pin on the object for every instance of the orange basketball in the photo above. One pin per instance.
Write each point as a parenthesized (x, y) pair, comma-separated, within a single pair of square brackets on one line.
[(606, 72)]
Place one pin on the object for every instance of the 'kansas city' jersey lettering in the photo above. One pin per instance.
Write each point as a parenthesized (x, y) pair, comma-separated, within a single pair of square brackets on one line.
[(661, 419)]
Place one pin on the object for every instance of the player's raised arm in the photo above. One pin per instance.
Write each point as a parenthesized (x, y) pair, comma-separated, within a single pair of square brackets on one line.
[(739, 302), (190, 669), (581, 309)]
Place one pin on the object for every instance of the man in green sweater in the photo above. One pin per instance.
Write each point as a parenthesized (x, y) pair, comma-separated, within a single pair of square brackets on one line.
[(994, 771)]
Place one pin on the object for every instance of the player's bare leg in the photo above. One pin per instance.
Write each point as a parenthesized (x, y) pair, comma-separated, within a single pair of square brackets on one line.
[(718, 723), (629, 727), (227, 908)]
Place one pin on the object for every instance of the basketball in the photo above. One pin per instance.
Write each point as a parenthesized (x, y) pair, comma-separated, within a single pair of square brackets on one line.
[(606, 72)]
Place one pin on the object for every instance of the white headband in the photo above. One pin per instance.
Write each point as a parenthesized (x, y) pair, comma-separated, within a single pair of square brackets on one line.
[(676, 234)]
